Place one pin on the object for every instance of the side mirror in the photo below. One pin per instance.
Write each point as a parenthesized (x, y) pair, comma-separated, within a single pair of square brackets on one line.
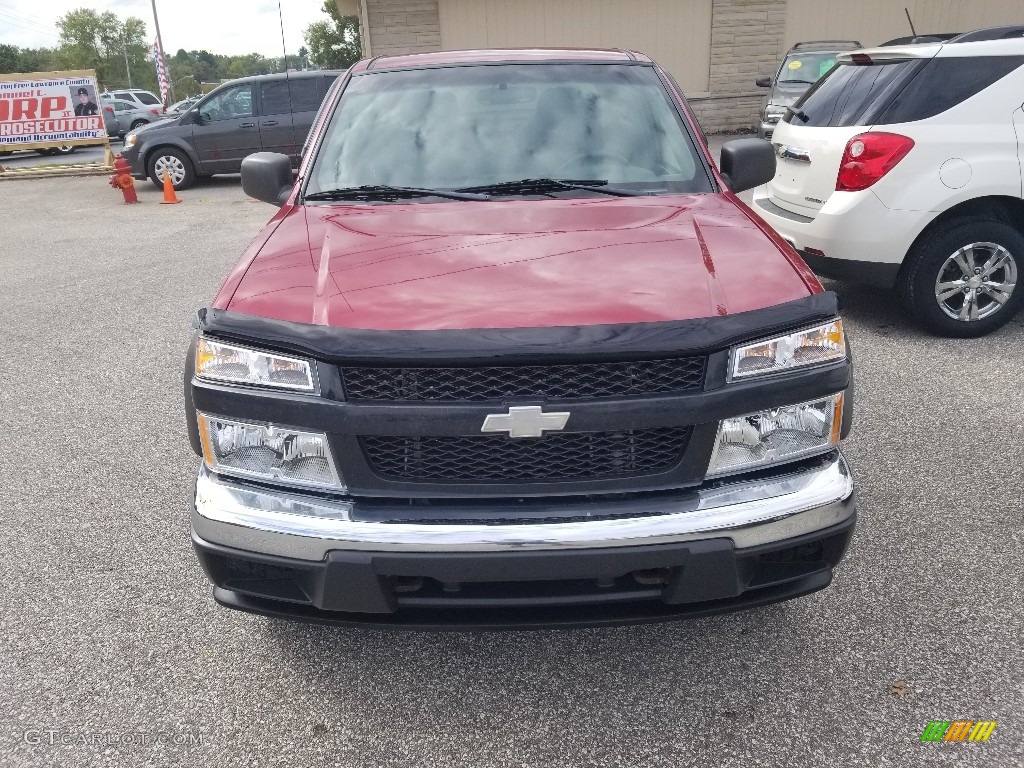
[(764, 81), (746, 163), (267, 176)]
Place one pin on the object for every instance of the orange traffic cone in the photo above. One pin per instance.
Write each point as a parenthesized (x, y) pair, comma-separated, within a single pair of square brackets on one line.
[(169, 196)]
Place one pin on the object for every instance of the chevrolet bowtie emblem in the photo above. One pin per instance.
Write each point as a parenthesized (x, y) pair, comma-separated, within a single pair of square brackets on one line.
[(525, 421)]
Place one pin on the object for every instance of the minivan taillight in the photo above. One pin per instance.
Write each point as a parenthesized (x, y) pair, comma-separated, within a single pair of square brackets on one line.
[(868, 157)]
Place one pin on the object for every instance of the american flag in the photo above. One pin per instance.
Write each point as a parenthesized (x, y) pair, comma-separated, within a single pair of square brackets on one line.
[(161, 70)]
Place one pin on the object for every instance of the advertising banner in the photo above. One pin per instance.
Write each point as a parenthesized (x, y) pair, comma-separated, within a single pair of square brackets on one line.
[(39, 110)]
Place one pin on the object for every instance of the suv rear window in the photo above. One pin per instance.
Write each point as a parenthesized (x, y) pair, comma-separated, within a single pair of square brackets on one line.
[(878, 94), (847, 93), (944, 83)]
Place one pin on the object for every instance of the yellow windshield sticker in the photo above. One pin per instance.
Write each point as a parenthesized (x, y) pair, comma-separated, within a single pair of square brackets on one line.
[(795, 64)]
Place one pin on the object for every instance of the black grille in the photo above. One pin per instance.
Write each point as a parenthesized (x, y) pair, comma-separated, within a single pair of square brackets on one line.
[(615, 379), (500, 459)]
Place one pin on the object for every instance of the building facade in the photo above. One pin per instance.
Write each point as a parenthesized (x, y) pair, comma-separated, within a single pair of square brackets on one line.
[(714, 48)]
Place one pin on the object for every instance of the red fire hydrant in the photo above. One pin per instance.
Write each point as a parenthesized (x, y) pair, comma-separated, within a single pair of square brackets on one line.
[(122, 179)]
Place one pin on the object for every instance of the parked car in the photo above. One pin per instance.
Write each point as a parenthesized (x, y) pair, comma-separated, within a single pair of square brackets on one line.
[(266, 112), (902, 168), (142, 99), (801, 67), (119, 117), (183, 106), (512, 352)]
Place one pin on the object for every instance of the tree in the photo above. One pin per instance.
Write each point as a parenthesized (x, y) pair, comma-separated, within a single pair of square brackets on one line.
[(303, 57), (10, 57), (116, 50), (334, 44), (187, 85)]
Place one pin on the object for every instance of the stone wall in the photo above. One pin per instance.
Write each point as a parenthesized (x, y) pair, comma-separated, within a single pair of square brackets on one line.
[(403, 26), (727, 113), (747, 40)]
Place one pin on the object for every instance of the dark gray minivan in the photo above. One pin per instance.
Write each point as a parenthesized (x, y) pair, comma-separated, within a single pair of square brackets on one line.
[(265, 113)]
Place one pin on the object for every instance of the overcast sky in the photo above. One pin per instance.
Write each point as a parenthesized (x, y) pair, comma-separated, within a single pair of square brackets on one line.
[(230, 28)]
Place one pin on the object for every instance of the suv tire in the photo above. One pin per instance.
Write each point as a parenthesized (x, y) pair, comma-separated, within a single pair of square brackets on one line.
[(176, 162), (979, 261)]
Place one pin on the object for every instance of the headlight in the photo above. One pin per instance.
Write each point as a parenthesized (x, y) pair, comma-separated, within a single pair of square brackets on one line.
[(776, 435), (216, 361), (815, 346), (268, 452), (773, 113), (129, 140)]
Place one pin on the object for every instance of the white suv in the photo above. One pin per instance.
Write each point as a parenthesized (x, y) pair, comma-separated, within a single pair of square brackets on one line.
[(902, 167), (141, 99)]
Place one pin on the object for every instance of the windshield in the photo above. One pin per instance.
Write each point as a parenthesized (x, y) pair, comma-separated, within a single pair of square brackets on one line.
[(473, 126), (806, 68)]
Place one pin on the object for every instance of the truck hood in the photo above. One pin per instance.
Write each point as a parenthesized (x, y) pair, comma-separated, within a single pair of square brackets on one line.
[(515, 264)]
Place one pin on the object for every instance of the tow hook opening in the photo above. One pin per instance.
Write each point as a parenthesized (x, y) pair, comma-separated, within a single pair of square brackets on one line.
[(652, 576)]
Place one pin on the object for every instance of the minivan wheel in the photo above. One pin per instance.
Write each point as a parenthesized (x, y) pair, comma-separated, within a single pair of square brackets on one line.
[(961, 279), (176, 164)]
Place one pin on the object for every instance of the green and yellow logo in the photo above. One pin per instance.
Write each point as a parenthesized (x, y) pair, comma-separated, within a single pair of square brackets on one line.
[(958, 730)]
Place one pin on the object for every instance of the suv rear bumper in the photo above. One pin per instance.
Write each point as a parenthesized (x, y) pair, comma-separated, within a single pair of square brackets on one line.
[(852, 227), (720, 548)]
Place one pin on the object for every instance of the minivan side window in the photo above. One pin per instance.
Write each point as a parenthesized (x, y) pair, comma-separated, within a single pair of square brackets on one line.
[(146, 98), (234, 101), (944, 83), (274, 97), (304, 96), (850, 93)]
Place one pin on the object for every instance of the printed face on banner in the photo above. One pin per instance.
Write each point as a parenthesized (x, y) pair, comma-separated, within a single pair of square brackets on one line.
[(85, 100), (48, 110)]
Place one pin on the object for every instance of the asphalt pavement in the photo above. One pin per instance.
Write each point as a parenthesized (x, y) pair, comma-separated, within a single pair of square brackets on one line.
[(113, 653)]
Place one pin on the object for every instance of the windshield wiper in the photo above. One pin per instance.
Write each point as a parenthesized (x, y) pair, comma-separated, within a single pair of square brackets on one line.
[(802, 82), (544, 186), (798, 113), (369, 192)]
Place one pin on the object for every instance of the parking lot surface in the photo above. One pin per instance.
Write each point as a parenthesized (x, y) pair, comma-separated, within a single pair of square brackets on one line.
[(113, 653)]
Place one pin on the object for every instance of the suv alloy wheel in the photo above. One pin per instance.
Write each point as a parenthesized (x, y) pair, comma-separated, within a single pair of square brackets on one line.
[(960, 279)]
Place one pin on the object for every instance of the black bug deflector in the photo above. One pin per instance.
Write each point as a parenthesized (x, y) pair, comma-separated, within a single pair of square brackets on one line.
[(517, 345)]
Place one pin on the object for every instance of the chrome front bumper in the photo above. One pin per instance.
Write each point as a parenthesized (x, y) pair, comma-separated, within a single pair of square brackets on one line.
[(305, 527)]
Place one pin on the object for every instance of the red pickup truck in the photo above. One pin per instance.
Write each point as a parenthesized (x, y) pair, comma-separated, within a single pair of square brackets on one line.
[(513, 354)]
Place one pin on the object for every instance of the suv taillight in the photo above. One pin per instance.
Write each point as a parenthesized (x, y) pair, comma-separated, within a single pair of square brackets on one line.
[(868, 157)]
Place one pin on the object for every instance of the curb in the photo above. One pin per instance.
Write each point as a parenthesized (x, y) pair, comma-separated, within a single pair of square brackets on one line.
[(48, 173)]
